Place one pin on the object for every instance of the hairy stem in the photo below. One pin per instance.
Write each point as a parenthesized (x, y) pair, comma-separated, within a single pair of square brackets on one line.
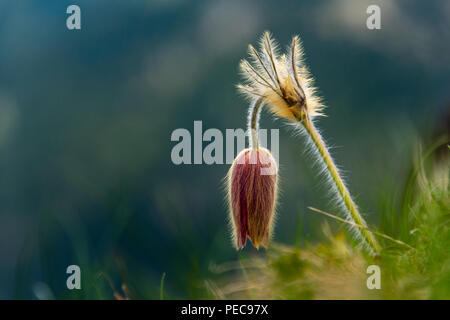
[(342, 190), (253, 122)]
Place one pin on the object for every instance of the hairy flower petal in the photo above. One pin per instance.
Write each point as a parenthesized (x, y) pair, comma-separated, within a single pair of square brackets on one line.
[(252, 182)]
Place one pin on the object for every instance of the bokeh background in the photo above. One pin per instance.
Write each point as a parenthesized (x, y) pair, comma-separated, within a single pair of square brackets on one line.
[(86, 116)]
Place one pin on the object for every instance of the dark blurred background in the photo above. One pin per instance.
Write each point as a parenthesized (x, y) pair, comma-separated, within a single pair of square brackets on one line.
[(86, 116)]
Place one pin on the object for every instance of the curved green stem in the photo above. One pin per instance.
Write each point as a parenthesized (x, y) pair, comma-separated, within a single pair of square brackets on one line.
[(253, 123), (342, 190)]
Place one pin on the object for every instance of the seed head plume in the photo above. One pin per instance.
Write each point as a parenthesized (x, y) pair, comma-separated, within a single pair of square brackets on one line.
[(281, 81), (284, 85)]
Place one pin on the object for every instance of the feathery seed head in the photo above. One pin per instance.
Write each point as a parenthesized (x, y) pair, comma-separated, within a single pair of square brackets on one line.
[(282, 81), (252, 195)]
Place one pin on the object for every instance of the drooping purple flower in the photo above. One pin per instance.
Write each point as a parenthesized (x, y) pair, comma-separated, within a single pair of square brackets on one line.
[(252, 193)]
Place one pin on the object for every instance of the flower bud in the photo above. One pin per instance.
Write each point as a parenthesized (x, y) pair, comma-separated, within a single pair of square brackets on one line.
[(252, 194)]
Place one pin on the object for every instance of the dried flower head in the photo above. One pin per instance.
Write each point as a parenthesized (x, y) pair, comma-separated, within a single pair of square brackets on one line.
[(283, 82), (252, 185)]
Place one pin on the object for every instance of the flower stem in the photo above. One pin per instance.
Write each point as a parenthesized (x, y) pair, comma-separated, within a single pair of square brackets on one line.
[(342, 190), (253, 122)]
